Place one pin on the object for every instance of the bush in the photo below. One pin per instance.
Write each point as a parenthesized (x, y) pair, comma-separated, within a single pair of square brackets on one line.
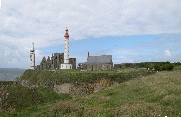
[(164, 67), (157, 67), (169, 66), (150, 67)]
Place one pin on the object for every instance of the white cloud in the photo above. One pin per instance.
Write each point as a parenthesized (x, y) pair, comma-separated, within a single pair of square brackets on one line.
[(44, 22), (167, 53), (132, 17)]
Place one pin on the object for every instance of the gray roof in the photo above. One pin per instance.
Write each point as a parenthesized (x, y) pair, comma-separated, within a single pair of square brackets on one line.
[(104, 59)]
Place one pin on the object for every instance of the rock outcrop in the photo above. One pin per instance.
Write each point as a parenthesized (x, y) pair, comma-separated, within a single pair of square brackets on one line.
[(74, 89)]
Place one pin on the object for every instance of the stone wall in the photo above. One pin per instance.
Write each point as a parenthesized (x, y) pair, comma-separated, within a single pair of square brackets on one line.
[(56, 60), (73, 62), (99, 67)]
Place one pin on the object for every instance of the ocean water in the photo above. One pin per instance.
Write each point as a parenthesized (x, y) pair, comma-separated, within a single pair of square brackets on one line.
[(8, 74)]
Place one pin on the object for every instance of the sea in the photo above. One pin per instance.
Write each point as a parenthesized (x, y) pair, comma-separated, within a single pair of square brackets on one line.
[(8, 74)]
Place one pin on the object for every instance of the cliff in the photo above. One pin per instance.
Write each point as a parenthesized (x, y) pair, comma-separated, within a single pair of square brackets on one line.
[(73, 83)]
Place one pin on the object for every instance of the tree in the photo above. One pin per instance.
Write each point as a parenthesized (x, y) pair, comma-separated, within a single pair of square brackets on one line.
[(169, 66), (127, 65), (151, 67), (164, 67), (157, 67)]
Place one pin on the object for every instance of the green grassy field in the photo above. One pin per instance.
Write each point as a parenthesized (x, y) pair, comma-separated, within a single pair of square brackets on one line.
[(37, 77), (158, 94)]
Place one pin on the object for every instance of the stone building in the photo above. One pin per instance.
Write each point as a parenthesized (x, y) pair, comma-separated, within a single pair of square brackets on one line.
[(73, 62), (54, 62), (97, 63)]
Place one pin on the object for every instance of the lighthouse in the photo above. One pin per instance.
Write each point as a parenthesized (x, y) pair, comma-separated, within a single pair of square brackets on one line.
[(32, 58), (66, 64)]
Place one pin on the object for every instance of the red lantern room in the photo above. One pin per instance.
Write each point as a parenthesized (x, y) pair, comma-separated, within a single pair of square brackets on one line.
[(66, 34), (66, 30)]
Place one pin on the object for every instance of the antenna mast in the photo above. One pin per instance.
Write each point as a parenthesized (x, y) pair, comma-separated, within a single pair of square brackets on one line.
[(33, 46)]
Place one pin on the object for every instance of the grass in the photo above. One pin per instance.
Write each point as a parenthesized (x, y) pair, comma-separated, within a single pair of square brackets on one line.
[(22, 97), (49, 78), (158, 94)]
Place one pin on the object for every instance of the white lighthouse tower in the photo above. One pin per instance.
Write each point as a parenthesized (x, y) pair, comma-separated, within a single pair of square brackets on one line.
[(32, 58), (66, 64)]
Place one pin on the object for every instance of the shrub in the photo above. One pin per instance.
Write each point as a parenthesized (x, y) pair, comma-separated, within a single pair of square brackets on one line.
[(164, 67), (150, 67), (169, 66), (157, 67)]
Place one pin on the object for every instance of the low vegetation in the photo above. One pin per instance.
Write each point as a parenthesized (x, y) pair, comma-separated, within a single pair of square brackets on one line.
[(49, 78), (168, 66), (18, 97), (152, 95)]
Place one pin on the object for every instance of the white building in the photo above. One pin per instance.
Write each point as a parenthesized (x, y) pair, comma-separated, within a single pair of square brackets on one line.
[(66, 64), (32, 58)]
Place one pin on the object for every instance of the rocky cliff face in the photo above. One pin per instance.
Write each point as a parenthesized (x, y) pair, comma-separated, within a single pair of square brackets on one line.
[(74, 89), (82, 89)]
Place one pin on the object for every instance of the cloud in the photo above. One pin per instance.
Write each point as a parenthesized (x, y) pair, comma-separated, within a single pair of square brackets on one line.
[(167, 53), (97, 18), (44, 22)]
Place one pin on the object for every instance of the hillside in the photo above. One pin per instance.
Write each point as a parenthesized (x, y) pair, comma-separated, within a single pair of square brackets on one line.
[(75, 82), (154, 95)]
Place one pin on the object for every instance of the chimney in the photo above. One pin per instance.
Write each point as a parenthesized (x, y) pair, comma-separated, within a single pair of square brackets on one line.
[(88, 54)]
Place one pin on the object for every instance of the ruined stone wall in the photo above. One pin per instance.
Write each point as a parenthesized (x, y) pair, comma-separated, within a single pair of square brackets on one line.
[(43, 64), (52, 62), (56, 60), (73, 62), (38, 67)]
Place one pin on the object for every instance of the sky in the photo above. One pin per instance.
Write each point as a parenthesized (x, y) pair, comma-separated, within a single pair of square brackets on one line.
[(130, 30)]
